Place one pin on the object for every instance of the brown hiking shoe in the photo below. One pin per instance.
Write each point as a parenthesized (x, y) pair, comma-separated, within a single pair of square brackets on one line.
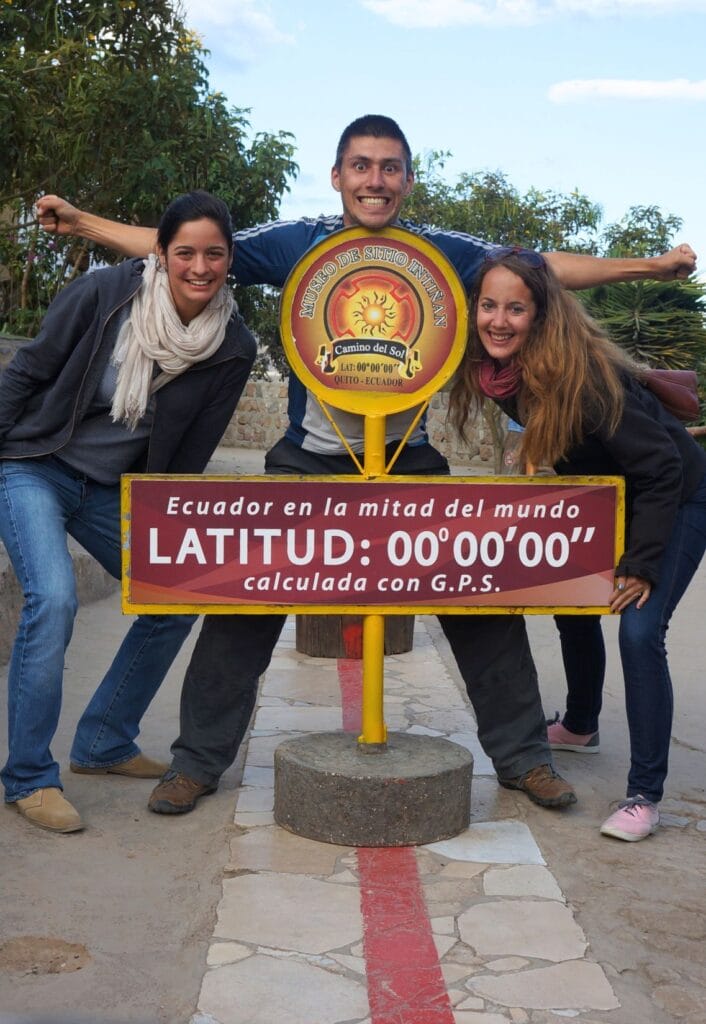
[(543, 786), (177, 794)]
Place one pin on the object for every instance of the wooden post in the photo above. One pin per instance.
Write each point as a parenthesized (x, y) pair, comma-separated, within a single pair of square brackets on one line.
[(340, 636)]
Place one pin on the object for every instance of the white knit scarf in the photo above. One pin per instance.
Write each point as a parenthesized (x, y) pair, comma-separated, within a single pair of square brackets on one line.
[(154, 333)]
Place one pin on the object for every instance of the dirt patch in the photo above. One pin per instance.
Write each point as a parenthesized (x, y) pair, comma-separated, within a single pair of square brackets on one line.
[(42, 954)]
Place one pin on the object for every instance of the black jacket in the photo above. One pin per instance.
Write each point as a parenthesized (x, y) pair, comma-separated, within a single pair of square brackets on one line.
[(662, 466), (48, 385)]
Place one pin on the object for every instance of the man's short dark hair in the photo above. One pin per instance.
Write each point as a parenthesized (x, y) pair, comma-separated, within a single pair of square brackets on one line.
[(380, 127)]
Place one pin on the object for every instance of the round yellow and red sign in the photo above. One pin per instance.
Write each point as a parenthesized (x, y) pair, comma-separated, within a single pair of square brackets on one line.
[(373, 322)]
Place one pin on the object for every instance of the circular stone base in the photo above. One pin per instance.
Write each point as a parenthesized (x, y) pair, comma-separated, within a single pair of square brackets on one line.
[(413, 790)]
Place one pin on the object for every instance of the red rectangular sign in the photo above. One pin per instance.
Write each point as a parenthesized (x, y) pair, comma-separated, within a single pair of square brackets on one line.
[(403, 544)]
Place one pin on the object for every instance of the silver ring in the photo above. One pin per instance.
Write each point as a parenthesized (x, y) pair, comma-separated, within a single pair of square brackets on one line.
[(621, 586)]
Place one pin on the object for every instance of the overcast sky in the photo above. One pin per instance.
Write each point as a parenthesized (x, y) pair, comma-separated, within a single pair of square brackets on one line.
[(606, 96)]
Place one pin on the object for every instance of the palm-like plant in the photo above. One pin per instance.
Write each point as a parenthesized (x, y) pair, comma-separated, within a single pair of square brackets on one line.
[(661, 323), (658, 323)]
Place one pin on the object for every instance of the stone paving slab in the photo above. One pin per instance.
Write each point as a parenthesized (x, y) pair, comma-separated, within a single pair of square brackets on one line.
[(289, 944)]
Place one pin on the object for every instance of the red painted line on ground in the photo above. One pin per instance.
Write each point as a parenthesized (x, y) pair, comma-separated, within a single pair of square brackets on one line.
[(405, 983), (350, 677)]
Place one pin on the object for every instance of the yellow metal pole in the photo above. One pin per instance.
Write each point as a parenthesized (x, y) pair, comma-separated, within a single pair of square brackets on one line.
[(374, 728), (374, 446)]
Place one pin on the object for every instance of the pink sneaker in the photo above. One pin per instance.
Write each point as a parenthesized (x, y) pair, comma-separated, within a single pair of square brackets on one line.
[(561, 739), (635, 819)]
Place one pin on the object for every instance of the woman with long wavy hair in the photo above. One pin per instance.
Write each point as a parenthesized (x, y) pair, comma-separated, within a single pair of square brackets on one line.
[(585, 410)]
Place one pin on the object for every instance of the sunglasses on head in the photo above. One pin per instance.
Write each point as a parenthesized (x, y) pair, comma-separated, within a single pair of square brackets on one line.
[(529, 256)]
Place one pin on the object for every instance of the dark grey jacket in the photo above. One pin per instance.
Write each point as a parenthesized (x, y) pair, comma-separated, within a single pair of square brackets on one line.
[(48, 385)]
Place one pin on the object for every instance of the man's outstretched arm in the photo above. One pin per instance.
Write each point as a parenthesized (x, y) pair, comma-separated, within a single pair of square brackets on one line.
[(61, 218), (574, 270), (577, 271)]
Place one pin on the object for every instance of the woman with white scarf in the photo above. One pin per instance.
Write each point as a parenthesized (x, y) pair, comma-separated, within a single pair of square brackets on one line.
[(136, 368)]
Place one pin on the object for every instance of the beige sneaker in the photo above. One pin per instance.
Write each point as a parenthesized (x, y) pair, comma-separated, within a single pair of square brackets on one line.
[(48, 808), (138, 767)]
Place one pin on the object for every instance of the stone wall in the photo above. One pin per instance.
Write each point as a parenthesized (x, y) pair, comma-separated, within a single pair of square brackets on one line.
[(261, 418), (477, 453)]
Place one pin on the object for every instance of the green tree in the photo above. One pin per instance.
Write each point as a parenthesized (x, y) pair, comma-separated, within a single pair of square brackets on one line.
[(486, 204), (643, 231), (108, 103)]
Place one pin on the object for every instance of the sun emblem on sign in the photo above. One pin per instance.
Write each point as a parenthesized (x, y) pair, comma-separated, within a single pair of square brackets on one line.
[(375, 314)]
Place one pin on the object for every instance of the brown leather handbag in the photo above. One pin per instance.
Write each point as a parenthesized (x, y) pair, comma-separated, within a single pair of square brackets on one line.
[(677, 390)]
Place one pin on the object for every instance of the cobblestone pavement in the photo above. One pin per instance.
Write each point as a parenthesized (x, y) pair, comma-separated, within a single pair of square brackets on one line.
[(295, 943)]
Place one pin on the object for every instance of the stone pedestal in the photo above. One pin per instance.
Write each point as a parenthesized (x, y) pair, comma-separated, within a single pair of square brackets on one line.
[(410, 791)]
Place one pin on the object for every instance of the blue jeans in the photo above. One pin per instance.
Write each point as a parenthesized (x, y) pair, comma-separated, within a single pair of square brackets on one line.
[(648, 686), (41, 501)]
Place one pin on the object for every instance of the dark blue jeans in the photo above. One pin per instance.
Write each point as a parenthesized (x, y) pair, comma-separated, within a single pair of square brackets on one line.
[(648, 685), (583, 654)]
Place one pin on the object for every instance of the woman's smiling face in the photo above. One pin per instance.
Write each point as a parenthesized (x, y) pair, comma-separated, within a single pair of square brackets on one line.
[(505, 313), (197, 261)]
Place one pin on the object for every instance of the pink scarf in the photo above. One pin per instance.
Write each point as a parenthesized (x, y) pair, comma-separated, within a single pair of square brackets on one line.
[(498, 381)]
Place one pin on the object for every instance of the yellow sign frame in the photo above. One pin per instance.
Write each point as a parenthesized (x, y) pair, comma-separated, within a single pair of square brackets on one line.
[(145, 608)]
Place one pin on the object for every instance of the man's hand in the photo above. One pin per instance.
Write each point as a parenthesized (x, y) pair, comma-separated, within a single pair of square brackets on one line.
[(56, 215), (674, 265), (61, 218)]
